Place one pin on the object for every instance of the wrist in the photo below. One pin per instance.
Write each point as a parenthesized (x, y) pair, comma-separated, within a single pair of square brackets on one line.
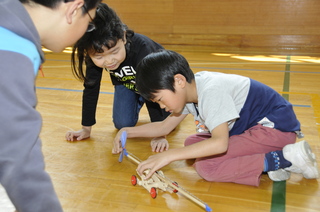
[(86, 128), (124, 129)]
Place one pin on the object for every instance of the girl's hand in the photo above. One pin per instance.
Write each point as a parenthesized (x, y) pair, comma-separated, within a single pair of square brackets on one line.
[(154, 163), (79, 135), (159, 144)]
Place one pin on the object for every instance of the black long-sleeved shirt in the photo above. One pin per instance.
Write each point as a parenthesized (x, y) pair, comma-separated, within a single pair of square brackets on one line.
[(140, 46)]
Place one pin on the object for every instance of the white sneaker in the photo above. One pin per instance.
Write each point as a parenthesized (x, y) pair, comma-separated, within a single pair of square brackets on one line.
[(279, 175), (302, 159)]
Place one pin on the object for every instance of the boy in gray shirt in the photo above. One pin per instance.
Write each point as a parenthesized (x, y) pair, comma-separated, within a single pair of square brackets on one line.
[(22, 33), (245, 128)]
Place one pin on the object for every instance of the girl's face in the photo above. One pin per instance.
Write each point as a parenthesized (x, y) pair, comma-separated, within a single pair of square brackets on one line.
[(110, 58)]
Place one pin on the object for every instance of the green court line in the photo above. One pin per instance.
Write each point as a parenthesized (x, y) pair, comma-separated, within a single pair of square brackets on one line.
[(278, 203), (286, 81)]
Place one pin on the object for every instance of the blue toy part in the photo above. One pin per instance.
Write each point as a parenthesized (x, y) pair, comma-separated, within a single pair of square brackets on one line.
[(208, 208), (123, 140)]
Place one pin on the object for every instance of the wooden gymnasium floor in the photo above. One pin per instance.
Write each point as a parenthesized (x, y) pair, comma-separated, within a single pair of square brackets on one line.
[(87, 177)]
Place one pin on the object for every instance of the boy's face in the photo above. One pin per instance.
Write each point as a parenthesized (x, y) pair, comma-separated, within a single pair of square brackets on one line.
[(110, 58), (173, 102), (71, 24), (81, 25)]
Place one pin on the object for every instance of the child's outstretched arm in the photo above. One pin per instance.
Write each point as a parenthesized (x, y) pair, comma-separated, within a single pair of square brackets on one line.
[(150, 130), (217, 144)]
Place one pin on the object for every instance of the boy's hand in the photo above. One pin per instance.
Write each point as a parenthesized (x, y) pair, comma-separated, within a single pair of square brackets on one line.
[(154, 163), (117, 148), (159, 144), (79, 135)]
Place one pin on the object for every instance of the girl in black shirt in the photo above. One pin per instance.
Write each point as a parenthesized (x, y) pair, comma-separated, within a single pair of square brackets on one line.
[(110, 45)]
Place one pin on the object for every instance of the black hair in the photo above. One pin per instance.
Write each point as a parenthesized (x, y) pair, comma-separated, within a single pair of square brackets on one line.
[(89, 4), (157, 70), (108, 30)]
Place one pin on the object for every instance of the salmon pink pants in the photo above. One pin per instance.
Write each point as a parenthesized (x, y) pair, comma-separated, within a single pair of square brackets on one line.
[(244, 160)]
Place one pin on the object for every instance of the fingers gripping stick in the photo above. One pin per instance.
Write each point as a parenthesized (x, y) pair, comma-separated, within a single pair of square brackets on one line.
[(157, 180)]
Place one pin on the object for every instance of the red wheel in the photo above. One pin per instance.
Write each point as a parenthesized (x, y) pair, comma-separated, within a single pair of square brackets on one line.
[(175, 190), (153, 192), (134, 180)]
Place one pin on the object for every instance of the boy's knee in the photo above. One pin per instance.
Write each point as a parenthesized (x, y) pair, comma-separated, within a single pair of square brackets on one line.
[(207, 172), (196, 138), (190, 140)]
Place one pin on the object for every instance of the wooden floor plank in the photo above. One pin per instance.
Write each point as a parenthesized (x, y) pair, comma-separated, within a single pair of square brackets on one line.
[(87, 177)]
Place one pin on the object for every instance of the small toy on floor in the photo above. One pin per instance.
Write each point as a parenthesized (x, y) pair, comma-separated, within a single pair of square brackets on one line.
[(158, 180)]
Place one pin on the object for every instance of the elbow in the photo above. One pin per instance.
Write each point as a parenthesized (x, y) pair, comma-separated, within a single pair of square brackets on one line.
[(224, 146), (224, 149)]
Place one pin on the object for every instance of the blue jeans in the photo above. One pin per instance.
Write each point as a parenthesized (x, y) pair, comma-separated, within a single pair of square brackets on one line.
[(127, 105)]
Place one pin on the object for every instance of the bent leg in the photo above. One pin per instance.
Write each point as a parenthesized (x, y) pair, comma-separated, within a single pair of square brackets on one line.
[(126, 107), (244, 160), (196, 138)]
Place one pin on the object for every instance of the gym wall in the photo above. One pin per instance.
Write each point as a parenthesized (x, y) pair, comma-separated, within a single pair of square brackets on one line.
[(278, 25)]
